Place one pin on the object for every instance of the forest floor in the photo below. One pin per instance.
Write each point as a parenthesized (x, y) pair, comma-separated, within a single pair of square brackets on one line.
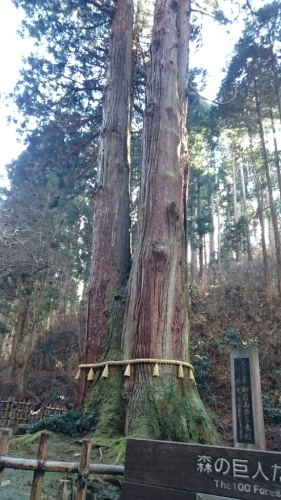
[(16, 484), (232, 309)]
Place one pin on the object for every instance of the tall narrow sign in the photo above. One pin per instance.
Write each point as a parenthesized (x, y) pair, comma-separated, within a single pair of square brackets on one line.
[(247, 412)]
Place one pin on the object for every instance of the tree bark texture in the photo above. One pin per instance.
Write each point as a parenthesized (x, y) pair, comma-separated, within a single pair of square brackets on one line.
[(263, 241), (156, 324), (111, 222), (275, 79), (244, 211), (276, 152), (30, 297), (269, 189)]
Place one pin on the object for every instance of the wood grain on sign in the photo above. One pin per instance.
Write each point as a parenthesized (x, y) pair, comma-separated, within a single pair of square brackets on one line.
[(133, 491), (178, 467)]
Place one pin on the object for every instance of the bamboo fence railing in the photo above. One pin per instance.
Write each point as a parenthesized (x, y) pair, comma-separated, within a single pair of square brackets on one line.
[(13, 413), (41, 465)]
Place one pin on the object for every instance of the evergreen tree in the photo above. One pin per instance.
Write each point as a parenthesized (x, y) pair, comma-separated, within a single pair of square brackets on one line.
[(156, 319)]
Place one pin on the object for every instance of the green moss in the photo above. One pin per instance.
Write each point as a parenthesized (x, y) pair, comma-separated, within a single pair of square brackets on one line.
[(106, 399), (106, 395), (112, 450), (29, 438), (170, 415)]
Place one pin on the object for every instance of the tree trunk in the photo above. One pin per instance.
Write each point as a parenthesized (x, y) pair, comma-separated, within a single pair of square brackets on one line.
[(269, 189), (263, 242), (235, 202), (156, 324), (219, 228), (212, 233), (244, 211), (111, 223), (200, 234), (275, 79), (193, 246), (276, 153), (269, 224)]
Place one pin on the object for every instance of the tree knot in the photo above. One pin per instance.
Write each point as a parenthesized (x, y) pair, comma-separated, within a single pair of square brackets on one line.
[(158, 250), (173, 211)]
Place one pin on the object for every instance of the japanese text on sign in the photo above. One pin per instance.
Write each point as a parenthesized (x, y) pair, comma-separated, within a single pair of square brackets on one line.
[(243, 396)]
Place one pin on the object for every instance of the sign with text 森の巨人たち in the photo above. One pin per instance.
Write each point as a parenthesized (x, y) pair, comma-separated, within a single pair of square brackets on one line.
[(178, 471)]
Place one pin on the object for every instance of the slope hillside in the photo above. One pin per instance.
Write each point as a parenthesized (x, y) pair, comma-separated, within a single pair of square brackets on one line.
[(232, 309)]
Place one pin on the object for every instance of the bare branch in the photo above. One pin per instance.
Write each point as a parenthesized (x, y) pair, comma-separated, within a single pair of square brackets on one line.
[(138, 109), (216, 102), (104, 8), (254, 12)]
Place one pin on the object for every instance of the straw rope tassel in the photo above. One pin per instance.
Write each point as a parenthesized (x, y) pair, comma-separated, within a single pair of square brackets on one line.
[(127, 372), (77, 376), (191, 376), (91, 375), (180, 372), (105, 372), (155, 371)]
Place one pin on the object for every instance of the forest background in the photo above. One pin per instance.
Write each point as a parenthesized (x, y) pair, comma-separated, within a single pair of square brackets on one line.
[(233, 210)]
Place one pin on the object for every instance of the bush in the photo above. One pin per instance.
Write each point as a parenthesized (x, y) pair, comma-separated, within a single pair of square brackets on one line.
[(72, 423), (193, 290), (202, 366), (271, 411), (232, 338)]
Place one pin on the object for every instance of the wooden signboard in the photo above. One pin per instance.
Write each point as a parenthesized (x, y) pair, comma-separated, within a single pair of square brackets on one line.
[(247, 412), (160, 470)]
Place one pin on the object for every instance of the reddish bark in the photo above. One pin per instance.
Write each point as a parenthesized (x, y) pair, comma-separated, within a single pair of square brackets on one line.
[(156, 318), (111, 224)]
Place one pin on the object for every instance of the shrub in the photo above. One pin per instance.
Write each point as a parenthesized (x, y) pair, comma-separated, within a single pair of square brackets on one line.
[(271, 411), (232, 338), (72, 423), (193, 290), (202, 366)]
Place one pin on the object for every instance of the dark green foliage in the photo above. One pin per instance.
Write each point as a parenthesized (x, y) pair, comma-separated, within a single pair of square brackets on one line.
[(72, 423), (202, 366), (233, 235), (101, 490), (232, 338), (271, 410), (193, 290)]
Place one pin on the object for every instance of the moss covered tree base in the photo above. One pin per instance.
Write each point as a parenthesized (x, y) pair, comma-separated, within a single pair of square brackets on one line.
[(163, 409), (106, 399), (172, 410)]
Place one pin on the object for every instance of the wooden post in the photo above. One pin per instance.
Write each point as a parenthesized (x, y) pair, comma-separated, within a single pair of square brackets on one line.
[(27, 412), (84, 470), (8, 411), (66, 489), (44, 412), (38, 476), (5, 435), (247, 412)]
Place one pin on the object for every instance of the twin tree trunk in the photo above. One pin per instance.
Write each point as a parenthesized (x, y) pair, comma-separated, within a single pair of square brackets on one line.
[(155, 324)]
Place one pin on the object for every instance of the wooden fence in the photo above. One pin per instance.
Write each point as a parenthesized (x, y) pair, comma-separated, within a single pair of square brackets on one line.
[(41, 465), (13, 413)]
